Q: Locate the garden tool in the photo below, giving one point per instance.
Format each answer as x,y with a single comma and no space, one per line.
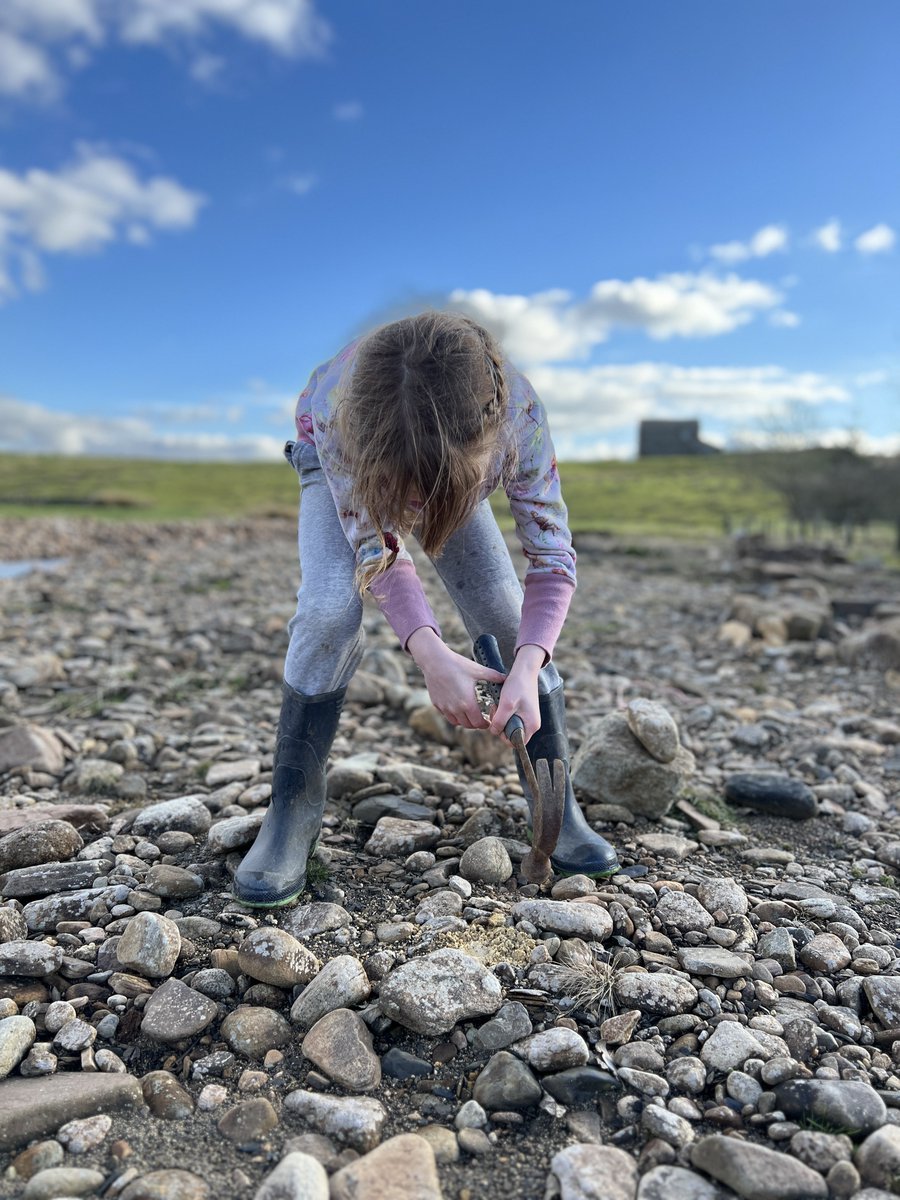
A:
548,796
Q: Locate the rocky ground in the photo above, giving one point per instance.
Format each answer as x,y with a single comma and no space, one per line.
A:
722,1019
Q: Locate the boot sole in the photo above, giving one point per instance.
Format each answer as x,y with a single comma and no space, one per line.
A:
268,903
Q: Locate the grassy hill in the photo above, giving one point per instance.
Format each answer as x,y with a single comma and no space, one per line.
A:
675,497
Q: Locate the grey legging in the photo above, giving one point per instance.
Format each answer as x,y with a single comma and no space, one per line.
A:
327,637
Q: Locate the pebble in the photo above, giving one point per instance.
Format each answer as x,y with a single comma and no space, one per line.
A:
486,861
553,1050
506,1083
253,1031
175,1012
167,1185
654,728
86,1134
248,1121
356,1121
297,1177
340,1044
563,917
274,956
775,795
657,994
309,920
57,1182
755,1172
340,983
17,1036
150,944
403,1166
587,1172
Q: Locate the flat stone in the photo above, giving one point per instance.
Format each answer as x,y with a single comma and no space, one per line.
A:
755,1172
81,816
173,883
588,1172
356,1122
825,952
511,1024
400,1064
668,845
658,994
242,770
31,746
775,795
309,920
62,1181
401,1168
31,1108
683,912
34,960
167,1185
723,895
566,917
340,1044
429,995
233,833
253,1031
298,1176
713,960
186,813
373,808
340,983
847,1106
654,727
175,1011
394,836
165,1097
47,878
274,956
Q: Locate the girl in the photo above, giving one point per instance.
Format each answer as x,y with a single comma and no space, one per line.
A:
409,430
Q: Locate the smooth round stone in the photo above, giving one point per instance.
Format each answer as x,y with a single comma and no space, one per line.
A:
847,1106
755,1172
743,1088
442,1141
470,1116
187,814
213,982
57,1014
506,1083
567,918
654,727
273,956
150,945
486,861
38,1157
298,1176
659,1122
356,1121
309,920
579,1086
683,912
173,883
43,842
687,1075
248,1121
713,960
729,1046
340,1044
474,1141
62,1181
553,1049
825,952
253,1031
167,1185
723,895
401,1166
821,1151
165,1097
878,1158
775,795
17,1036
585,1171
676,1183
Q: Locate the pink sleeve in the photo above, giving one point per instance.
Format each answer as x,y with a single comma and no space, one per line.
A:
544,610
399,594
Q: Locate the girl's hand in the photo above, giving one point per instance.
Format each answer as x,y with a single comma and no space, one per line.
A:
520,693
450,679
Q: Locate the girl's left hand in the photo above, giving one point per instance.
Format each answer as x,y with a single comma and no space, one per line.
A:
519,694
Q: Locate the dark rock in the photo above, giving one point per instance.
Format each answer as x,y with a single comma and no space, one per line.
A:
373,808
579,1085
506,1082
398,1064
775,795
30,1108
844,1106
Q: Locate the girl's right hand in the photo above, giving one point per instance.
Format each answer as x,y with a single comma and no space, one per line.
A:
450,679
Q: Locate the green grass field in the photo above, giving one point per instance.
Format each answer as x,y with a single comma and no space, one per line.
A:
658,497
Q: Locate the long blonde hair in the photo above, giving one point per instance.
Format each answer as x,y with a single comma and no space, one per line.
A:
421,413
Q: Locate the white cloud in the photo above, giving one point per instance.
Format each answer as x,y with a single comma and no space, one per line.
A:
829,236
31,31
877,240
761,439
32,428
599,399
871,378
350,110
783,318
551,326
302,185
765,241
206,68
95,199
24,68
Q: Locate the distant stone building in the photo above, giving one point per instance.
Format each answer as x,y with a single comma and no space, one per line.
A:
672,437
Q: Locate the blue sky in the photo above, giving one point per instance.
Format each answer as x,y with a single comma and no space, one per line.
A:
664,210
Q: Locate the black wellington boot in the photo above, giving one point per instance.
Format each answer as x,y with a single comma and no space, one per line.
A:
579,851
273,871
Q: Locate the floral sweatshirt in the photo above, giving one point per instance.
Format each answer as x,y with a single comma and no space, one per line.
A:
534,493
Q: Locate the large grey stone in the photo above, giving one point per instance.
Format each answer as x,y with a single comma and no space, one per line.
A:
755,1172
878,1158
340,983
399,1169
42,842
654,727
847,1106
506,1083
357,1122
17,1036
677,1183
150,944
713,960
31,746
175,1011
429,995
612,767
659,994
186,813
273,956
567,917
297,1177
340,1044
